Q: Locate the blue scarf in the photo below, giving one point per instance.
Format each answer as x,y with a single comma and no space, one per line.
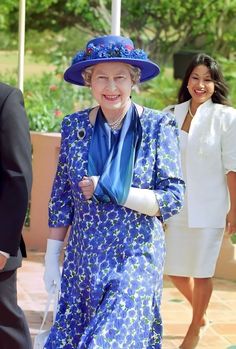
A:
112,156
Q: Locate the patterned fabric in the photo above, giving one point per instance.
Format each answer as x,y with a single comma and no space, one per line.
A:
115,160
113,268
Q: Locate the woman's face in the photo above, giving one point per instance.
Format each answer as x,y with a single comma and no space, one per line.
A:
200,85
111,86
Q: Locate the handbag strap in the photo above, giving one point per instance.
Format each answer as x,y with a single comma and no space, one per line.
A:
49,301
51,298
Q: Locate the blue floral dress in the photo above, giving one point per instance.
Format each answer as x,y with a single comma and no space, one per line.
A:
113,268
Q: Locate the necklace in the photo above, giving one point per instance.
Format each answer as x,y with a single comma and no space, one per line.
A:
190,113
116,124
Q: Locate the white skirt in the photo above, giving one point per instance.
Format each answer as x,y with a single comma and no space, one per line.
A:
192,251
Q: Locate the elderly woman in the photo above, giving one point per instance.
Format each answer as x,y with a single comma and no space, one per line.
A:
118,179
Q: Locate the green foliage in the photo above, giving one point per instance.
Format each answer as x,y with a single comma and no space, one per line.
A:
49,99
233,239
9,41
229,70
161,27
159,92
5,9
164,26
93,15
60,48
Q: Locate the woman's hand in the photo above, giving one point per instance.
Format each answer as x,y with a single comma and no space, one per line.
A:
231,222
3,261
231,216
87,187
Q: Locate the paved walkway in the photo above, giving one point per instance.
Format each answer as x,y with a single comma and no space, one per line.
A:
175,311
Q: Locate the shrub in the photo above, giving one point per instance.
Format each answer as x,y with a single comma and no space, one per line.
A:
159,92
49,99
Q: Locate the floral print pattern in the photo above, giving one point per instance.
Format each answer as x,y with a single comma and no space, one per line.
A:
113,267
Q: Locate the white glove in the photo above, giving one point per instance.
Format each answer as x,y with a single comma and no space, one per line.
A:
143,201
52,274
95,180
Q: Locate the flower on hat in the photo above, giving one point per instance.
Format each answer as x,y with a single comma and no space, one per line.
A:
110,51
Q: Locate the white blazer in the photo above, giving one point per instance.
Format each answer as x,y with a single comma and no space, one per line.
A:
211,154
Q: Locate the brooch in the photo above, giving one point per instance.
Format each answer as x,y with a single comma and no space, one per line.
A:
81,133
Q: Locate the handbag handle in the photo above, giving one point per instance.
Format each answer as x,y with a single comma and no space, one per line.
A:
51,298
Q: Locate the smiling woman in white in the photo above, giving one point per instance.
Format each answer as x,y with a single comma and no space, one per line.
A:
208,149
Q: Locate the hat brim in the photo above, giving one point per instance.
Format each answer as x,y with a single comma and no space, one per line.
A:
148,69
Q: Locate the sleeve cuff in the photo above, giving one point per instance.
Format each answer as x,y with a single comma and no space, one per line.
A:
7,255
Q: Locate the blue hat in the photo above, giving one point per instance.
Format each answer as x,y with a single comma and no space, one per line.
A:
110,48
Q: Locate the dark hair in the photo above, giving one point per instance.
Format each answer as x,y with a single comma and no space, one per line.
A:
220,94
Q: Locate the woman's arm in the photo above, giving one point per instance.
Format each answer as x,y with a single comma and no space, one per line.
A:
55,243
143,201
61,211
140,200
231,216
58,233
170,186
